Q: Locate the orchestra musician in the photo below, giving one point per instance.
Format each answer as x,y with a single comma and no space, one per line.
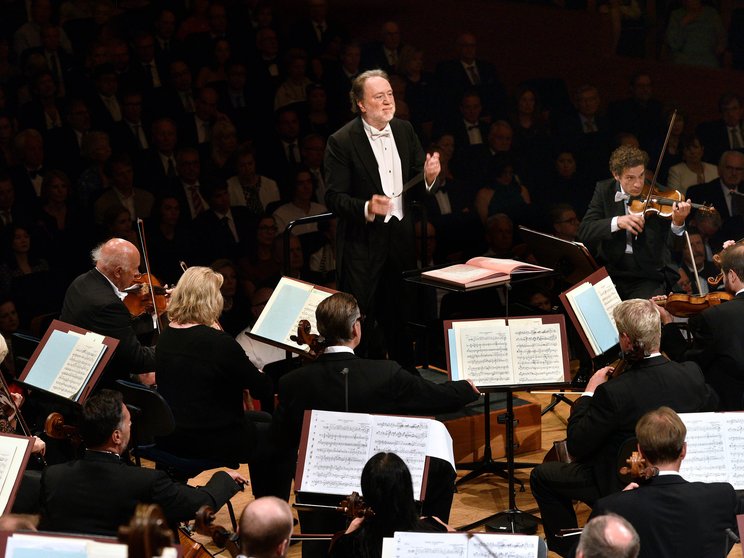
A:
202,372
98,493
265,528
606,414
673,517
608,536
374,386
93,301
388,490
717,336
635,249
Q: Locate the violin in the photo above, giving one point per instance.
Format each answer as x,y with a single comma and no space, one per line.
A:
352,506
686,306
147,533
223,538
304,337
139,300
655,201
715,281
55,427
637,468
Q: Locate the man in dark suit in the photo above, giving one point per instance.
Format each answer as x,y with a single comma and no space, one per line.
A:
373,386
717,334
367,164
94,301
726,133
636,250
695,515
605,416
385,53
468,71
98,493
718,192
640,114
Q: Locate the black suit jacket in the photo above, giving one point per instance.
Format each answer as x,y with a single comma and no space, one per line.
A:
599,425
676,518
651,249
718,348
352,177
90,303
715,139
98,493
711,193
454,80
375,386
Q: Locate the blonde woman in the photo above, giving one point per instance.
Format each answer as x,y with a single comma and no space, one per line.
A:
202,373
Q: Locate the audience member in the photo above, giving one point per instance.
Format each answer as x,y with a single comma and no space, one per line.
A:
692,170
695,35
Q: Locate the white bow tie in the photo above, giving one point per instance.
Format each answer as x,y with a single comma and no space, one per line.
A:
621,196
376,134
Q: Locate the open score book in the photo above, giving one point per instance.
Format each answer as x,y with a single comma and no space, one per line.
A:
480,271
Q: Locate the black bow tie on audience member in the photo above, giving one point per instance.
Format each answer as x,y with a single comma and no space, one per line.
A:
621,196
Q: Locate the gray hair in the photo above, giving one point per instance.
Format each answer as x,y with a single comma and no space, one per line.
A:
357,86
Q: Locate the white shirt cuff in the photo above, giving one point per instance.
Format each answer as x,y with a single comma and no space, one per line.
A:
677,229
369,218
613,225
587,394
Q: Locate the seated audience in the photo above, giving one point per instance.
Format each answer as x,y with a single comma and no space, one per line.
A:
692,170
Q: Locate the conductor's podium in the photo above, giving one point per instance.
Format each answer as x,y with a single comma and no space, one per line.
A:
467,429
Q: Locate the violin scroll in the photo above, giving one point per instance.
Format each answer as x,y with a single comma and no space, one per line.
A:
354,506
305,337
637,468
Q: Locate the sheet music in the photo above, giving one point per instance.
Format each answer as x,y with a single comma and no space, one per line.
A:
340,444
492,353
406,437
505,546
464,545
486,354
537,352
12,453
337,450
78,367
608,296
424,545
715,448
307,312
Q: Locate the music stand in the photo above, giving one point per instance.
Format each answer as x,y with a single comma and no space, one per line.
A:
570,259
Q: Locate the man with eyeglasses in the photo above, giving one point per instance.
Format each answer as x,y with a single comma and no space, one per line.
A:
94,301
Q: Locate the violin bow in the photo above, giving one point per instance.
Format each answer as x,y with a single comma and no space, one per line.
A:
141,234
19,416
694,265
658,163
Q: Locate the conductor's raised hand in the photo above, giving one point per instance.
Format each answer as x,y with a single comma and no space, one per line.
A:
378,205
432,167
631,222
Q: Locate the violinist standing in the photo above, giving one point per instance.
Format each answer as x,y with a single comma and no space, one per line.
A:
635,249
94,301
718,336
606,414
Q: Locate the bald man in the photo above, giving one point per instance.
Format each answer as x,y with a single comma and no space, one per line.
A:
265,527
94,302
608,536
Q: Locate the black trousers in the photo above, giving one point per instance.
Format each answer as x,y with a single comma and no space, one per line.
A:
555,486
